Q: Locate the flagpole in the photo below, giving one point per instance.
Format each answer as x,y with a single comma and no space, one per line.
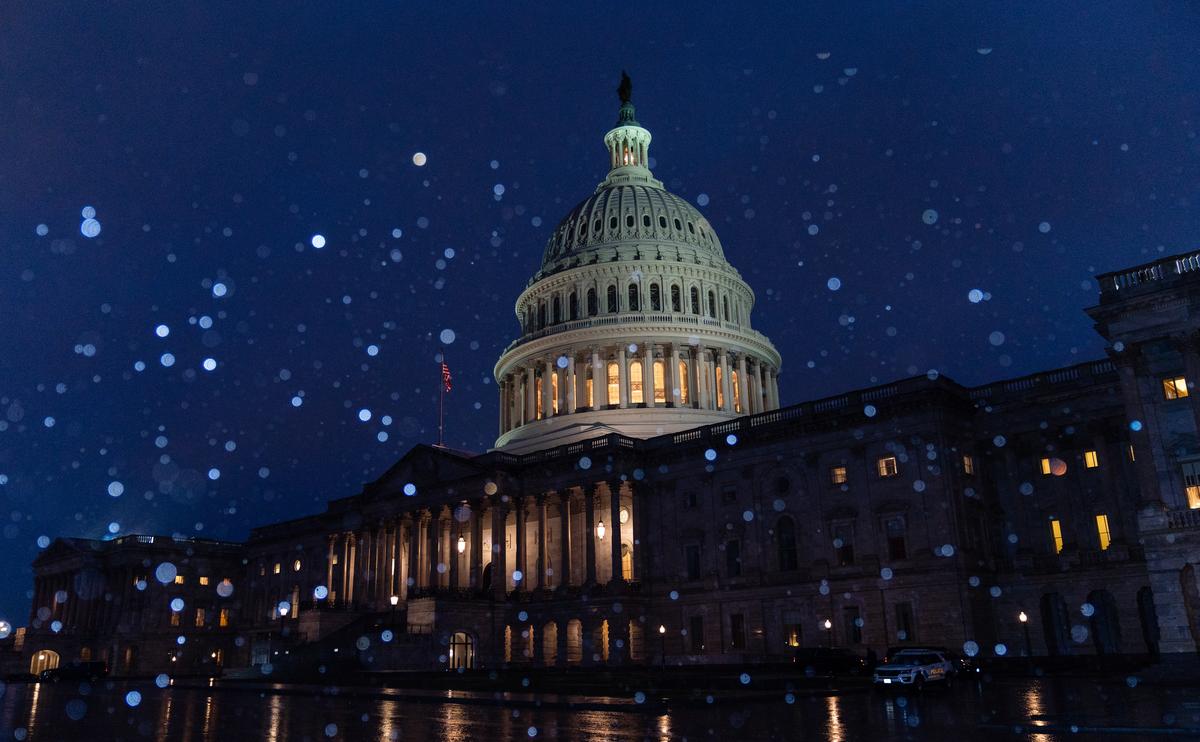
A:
442,401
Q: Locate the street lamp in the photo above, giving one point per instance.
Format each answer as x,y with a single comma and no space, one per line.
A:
600,530
662,637
394,600
1024,619
828,625
462,544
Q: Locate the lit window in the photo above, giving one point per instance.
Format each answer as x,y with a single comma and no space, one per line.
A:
199,618
223,618
591,400
296,566
968,465
1193,496
1131,456
203,580
635,383
1091,459
614,383
179,579
1056,533
660,381
1175,388
537,398
737,392
1103,532
720,389
683,383
335,559
837,474
174,618
887,466
277,567
1046,468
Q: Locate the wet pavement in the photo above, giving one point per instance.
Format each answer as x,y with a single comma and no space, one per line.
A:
1044,710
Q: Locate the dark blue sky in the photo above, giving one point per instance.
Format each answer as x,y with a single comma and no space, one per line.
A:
213,141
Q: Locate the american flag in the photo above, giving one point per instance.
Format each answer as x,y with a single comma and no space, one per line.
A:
445,376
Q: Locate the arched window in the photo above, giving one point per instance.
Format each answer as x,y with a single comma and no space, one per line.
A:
634,304
737,393
635,383
44,659
557,313
573,306
695,300
785,537
530,319
662,221
712,304
683,383
660,381
614,383
541,314
725,304
593,307
676,301
655,298
645,220
612,299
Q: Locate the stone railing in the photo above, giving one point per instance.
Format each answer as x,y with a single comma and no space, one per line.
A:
1164,269
1071,375
1183,518
635,318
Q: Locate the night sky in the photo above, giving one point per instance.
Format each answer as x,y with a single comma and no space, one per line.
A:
961,170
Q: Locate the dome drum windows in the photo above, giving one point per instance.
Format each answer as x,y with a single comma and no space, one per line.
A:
593,306
612,300
655,298
695,296
634,303
676,300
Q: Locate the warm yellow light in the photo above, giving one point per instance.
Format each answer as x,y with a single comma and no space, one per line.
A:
462,544
1056,534
394,599
662,629
1022,617
828,624
624,516
600,530
1102,531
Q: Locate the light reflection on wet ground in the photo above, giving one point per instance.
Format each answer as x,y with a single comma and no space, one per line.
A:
1003,710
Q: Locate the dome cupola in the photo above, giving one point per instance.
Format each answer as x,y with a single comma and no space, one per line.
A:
635,322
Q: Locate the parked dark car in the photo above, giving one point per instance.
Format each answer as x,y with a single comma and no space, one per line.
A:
829,661
961,665
91,671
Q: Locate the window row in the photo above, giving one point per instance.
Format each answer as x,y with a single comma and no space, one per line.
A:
638,390
710,304
1103,534
200,618
565,236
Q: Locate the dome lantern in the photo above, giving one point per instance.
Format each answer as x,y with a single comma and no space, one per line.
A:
628,143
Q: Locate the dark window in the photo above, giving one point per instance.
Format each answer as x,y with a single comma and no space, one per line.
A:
596,226
696,634
725,302
737,631
695,300
676,302
655,298
843,543
634,305
612,222
629,220
852,624
729,494
894,528
582,229
785,533
904,623
733,558
541,315
612,299
691,228
662,221
557,314
712,305
689,499
645,220
574,306
592,307
691,554
678,225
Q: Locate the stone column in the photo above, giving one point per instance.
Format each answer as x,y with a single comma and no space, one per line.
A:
623,371
672,376
343,594
432,553
637,514
476,544
547,388
1189,347
560,652
572,390
589,535
540,504
503,389
522,557
530,392
456,513
328,564
599,382
699,381
648,385
499,549
614,502
564,542
414,540
1127,364
726,385
742,395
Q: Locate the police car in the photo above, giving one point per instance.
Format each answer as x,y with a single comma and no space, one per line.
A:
915,668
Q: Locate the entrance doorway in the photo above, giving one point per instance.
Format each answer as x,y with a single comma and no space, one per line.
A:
462,651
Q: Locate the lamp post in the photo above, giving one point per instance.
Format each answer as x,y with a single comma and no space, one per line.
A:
394,600
662,652
1024,619
828,626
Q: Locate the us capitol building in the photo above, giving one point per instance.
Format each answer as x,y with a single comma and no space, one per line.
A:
649,499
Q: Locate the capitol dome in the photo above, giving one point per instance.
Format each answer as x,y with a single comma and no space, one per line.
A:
635,323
